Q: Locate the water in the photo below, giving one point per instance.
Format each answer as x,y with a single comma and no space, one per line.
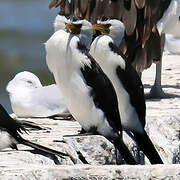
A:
24,27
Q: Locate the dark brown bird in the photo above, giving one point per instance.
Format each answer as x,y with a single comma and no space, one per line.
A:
142,43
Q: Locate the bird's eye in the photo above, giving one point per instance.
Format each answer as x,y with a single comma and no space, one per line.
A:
107,26
30,82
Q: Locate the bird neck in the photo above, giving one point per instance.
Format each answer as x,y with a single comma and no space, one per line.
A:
72,61
86,39
100,47
117,38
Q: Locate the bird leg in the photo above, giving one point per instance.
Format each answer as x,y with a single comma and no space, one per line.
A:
14,146
124,151
119,158
82,132
29,124
156,90
139,156
64,116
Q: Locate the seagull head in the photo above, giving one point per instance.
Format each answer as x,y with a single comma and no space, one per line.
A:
112,27
82,28
24,80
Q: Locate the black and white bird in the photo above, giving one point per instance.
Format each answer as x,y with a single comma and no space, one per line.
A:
127,84
88,93
10,135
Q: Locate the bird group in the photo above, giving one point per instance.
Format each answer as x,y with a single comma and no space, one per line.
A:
101,89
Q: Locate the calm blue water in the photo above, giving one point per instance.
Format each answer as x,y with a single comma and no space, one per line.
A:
24,27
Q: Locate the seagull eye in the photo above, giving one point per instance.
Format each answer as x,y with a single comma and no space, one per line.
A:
107,26
30,82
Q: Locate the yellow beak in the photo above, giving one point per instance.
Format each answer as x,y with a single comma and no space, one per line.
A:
101,28
72,29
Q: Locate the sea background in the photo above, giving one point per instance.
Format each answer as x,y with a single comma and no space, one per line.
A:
24,28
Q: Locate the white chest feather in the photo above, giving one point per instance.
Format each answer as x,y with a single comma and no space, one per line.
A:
109,62
66,66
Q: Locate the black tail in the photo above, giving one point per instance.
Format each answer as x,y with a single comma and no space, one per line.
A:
146,145
41,148
124,151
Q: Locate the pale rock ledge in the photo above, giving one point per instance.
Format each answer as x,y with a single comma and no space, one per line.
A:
92,157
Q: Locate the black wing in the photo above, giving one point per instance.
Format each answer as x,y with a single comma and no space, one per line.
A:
102,91
12,126
133,85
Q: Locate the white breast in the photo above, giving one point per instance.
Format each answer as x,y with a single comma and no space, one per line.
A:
67,61
109,62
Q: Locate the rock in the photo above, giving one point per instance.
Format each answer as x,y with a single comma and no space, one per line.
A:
93,149
163,127
164,132
97,150
85,172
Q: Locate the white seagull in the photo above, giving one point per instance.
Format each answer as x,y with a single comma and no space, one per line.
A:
88,93
127,84
30,99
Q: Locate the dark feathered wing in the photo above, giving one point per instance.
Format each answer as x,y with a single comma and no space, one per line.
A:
133,85
12,126
105,98
102,90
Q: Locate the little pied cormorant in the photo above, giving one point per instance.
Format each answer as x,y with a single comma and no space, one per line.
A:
88,93
127,84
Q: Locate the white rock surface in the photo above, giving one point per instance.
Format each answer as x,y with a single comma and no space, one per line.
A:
163,115
163,126
85,172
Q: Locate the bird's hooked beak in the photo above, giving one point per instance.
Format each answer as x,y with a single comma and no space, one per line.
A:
102,28
73,28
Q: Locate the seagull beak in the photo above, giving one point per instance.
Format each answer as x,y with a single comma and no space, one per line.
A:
72,29
101,28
